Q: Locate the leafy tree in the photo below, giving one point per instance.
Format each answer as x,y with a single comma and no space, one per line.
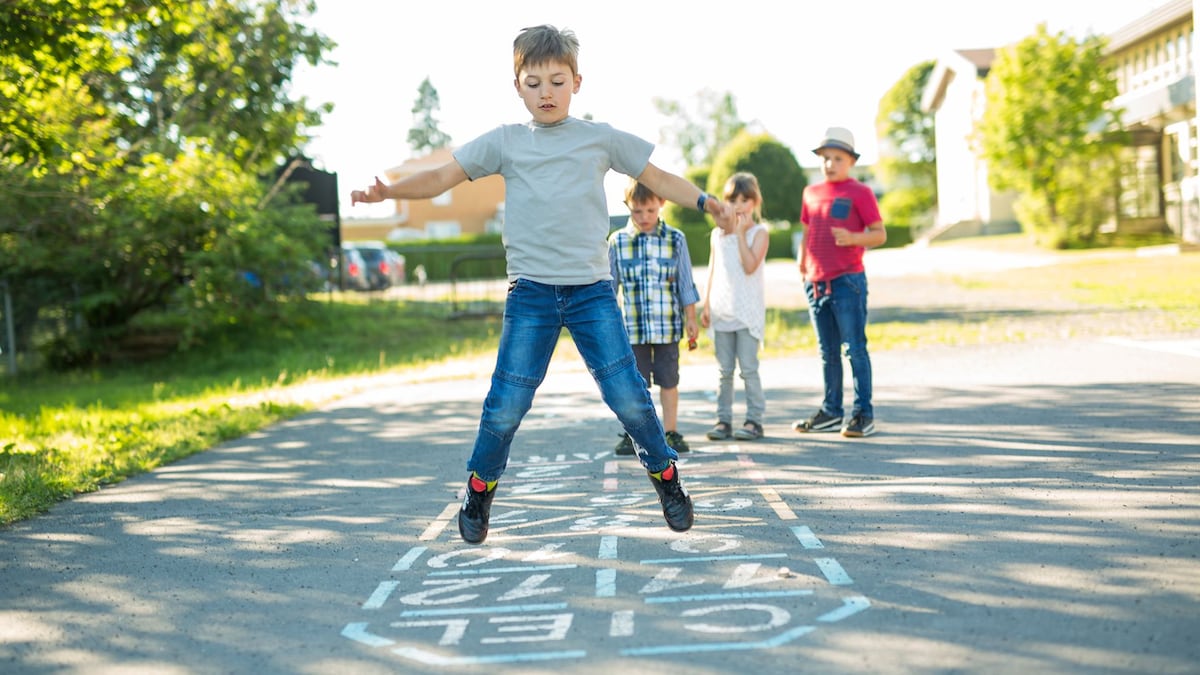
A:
780,177
700,138
425,134
1042,133
136,136
910,169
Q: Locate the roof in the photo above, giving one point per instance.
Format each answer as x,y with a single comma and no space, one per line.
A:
943,73
980,58
1169,13
430,160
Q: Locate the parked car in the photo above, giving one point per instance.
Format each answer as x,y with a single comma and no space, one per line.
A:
385,267
354,271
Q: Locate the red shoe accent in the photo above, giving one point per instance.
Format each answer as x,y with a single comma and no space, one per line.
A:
478,484
668,473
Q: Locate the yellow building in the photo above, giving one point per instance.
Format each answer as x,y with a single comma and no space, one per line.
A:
471,207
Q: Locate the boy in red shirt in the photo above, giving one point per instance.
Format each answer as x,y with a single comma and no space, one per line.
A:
841,220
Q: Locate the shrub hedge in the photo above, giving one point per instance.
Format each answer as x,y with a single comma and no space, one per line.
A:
482,256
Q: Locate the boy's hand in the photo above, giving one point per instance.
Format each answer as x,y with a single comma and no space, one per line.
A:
724,214
842,236
371,195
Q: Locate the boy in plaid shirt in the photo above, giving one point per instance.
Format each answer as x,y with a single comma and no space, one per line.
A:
651,267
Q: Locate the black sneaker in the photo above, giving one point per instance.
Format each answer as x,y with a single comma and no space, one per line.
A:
822,421
675,500
475,511
675,440
860,425
625,447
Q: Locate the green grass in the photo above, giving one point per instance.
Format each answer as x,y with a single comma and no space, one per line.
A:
69,433
63,434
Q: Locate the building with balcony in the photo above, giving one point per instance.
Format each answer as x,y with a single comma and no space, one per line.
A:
1153,60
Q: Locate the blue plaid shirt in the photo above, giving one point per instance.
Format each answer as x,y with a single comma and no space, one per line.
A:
654,273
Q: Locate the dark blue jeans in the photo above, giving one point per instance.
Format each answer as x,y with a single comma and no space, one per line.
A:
838,309
534,316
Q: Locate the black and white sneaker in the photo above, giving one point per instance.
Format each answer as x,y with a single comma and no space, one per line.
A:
822,421
475,511
676,442
624,446
859,425
675,500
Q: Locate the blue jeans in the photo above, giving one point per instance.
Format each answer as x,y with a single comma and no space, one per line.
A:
838,309
534,316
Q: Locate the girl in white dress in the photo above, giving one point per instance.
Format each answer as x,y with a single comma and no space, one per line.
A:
735,307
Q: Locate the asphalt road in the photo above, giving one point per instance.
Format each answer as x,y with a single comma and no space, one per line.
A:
1024,508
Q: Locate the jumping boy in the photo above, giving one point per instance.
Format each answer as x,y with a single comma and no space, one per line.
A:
555,240
651,266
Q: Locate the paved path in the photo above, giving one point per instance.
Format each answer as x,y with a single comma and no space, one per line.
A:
1023,509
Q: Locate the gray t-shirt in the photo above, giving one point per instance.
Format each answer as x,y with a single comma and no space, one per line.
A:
555,212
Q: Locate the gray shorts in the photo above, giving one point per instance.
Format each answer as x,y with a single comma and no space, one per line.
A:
658,364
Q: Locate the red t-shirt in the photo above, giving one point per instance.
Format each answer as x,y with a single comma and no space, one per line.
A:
848,204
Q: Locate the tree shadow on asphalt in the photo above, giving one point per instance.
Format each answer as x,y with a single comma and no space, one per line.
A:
1016,528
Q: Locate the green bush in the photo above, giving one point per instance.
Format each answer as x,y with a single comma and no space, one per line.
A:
779,175
898,236
482,256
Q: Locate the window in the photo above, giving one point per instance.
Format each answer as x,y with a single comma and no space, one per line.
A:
1140,191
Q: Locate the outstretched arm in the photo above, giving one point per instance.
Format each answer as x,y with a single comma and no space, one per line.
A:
422,185
677,189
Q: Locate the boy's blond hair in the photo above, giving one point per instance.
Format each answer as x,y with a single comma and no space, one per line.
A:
636,193
545,44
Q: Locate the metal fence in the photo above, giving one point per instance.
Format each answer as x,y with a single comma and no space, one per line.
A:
474,285
474,290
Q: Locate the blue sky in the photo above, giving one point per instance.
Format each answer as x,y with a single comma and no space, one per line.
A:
795,67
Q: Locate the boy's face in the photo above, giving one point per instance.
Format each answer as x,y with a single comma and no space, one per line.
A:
835,164
547,89
645,214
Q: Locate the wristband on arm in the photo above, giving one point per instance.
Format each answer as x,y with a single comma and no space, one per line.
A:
700,202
